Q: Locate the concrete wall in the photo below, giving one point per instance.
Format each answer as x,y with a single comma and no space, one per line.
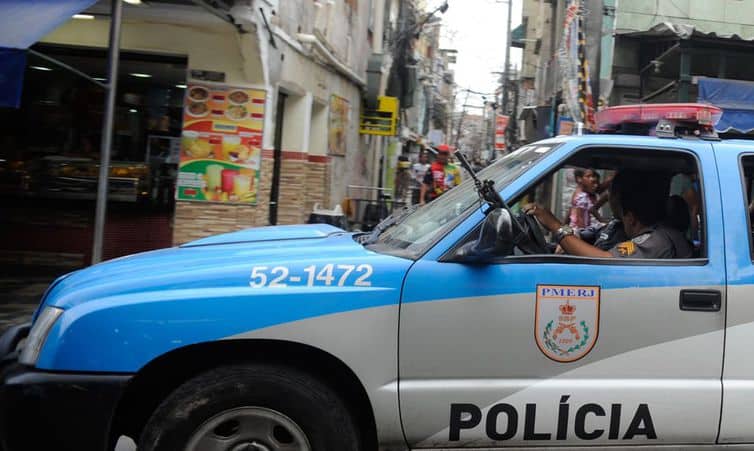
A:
625,72
303,76
343,27
343,23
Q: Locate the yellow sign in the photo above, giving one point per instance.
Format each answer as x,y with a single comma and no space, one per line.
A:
382,121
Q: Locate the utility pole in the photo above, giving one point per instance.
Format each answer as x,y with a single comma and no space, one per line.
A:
100,212
506,73
460,120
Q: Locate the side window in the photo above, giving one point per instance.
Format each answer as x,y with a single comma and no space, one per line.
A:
747,170
658,214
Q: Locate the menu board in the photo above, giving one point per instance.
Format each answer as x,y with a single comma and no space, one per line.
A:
221,144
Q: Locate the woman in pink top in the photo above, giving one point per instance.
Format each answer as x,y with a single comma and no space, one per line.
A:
584,199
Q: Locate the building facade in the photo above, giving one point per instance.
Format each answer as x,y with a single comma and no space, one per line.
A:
637,52
301,69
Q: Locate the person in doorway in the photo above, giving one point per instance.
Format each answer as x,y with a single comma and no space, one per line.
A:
440,177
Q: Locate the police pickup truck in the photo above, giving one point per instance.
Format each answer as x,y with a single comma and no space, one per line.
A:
454,325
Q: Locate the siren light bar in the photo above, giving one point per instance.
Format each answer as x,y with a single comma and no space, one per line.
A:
698,118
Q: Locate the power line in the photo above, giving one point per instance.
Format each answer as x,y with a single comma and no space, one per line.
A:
471,91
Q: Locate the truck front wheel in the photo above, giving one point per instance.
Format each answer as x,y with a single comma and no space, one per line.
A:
251,408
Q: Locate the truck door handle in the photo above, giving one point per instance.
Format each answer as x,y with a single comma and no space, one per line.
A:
700,300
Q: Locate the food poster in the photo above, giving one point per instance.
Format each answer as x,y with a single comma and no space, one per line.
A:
221,144
339,111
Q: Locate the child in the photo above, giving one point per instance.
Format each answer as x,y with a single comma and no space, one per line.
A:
583,199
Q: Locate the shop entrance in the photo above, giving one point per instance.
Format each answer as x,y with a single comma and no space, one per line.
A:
49,158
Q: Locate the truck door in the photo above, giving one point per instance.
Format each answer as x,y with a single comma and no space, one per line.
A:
558,350
736,425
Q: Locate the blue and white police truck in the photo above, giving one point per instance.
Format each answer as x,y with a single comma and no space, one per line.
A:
459,324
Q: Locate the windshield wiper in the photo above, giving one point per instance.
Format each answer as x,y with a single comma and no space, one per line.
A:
385,224
488,193
486,188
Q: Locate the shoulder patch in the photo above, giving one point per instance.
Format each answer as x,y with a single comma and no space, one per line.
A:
626,248
641,238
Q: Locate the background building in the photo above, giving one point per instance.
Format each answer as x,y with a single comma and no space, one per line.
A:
637,52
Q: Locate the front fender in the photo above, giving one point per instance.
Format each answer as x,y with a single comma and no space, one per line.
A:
123,332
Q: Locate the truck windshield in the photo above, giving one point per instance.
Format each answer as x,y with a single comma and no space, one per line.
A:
417,231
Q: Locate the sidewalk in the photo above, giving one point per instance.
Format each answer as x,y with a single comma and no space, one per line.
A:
20,294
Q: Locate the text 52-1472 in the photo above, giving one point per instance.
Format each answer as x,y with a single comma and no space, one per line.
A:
330,274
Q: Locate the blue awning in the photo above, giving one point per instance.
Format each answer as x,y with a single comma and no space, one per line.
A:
735,97
22,23
12,66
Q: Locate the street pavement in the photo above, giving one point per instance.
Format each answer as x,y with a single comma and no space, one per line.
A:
19,297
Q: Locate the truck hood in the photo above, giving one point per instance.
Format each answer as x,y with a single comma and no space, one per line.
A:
214,262
126,312
287,232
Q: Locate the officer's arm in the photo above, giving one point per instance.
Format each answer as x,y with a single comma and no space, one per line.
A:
576,246
572,244
595,210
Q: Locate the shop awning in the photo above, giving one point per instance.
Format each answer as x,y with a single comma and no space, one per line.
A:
22,23
687,31
735,97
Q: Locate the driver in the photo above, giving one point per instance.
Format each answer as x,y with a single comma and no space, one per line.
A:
638,199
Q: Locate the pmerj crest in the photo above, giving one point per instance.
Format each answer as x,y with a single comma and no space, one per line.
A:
566,321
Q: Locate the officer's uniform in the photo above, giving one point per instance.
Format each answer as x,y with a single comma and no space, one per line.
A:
606,236
659,241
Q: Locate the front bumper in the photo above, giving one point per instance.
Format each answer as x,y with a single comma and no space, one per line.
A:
48,410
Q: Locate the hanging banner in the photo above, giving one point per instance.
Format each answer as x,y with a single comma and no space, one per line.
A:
501,124
221,144
574,67
568,59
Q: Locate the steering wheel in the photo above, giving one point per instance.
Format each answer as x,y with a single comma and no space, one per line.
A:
534,241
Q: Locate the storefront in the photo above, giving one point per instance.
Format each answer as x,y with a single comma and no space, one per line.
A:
50,152
49,158
220,124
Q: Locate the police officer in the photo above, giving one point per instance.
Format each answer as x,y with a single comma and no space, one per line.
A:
638,199
604,236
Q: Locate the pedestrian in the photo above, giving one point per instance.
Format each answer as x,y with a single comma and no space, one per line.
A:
440,177
418,171
583,200
687,186
403,182
607,232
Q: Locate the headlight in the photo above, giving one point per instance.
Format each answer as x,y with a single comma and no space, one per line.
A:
38,335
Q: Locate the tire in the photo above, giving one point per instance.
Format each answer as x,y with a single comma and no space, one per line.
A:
238,402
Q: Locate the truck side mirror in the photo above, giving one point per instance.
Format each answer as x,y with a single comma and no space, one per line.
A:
495,239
